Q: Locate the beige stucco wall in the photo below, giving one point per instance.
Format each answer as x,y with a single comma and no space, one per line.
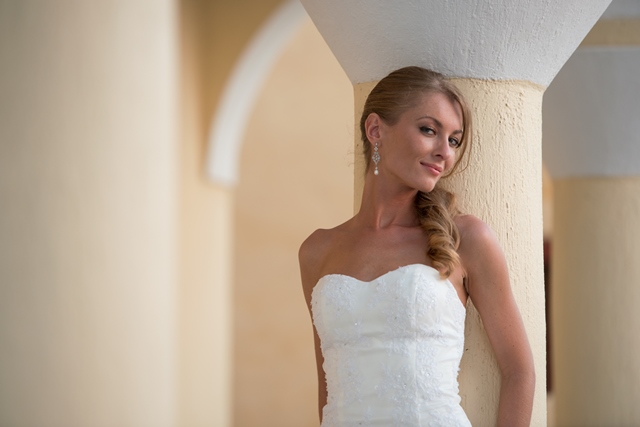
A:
295,176
596,215
213,36
224,30
502,186
88,201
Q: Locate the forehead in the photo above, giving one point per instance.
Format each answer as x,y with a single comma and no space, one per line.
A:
438,106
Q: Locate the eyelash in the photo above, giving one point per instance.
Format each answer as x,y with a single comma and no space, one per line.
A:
455,143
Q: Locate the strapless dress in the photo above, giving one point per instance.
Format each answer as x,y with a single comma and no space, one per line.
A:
392,349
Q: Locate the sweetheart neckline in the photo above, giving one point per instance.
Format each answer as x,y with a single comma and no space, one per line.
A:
402,267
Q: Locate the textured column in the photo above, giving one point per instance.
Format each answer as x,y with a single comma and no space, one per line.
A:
87,229
592,148
506,144
503,58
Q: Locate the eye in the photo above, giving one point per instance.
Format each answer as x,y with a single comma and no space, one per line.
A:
455,143
427,130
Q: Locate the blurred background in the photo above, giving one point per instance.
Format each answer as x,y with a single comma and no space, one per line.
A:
160,164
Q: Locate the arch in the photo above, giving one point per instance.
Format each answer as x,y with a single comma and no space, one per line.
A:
240,92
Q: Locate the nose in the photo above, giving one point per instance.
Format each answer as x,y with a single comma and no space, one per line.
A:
444,150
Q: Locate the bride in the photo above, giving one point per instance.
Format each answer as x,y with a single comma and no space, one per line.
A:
387,289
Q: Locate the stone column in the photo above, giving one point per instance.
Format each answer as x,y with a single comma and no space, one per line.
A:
592,149
503,59
88,213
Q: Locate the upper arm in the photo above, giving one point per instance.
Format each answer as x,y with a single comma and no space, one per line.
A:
490,290
310,257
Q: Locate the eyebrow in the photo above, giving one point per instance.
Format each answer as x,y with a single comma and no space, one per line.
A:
438,123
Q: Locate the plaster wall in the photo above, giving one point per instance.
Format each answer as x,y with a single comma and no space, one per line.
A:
295,176
205,218
242,89
214,35
596,275
225,28
88,197
503,187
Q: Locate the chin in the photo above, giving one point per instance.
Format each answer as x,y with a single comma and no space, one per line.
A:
428,185
426,188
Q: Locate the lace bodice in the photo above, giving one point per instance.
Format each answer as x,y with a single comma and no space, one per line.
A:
391,348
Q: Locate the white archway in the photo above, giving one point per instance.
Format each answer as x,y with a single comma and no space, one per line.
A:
246,80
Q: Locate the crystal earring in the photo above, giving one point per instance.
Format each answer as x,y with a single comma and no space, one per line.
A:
376,158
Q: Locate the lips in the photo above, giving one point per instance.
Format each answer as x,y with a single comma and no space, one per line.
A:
435,169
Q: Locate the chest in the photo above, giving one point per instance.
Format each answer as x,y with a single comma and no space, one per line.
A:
370,254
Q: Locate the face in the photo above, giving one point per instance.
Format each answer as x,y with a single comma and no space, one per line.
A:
421,147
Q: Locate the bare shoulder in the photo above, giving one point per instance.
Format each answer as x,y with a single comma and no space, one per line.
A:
479,248
311,256
473,232
314,248
490,291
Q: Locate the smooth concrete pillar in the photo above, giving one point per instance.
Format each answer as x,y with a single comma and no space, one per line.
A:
503,184
592,148
88,213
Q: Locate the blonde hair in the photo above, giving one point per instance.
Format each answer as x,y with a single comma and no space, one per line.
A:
436,210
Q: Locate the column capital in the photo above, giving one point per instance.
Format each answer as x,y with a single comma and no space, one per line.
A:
515,40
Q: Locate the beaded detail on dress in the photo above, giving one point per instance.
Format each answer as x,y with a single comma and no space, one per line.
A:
392,349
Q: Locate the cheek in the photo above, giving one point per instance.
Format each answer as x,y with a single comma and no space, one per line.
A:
451,163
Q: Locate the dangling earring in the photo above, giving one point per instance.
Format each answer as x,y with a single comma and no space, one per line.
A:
376,158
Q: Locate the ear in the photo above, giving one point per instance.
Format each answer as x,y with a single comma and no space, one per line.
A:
372,127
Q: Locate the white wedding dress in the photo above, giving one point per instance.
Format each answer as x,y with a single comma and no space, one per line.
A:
391,348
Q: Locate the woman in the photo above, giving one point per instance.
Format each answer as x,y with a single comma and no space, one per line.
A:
387,289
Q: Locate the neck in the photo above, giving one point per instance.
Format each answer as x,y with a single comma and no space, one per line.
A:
385,204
